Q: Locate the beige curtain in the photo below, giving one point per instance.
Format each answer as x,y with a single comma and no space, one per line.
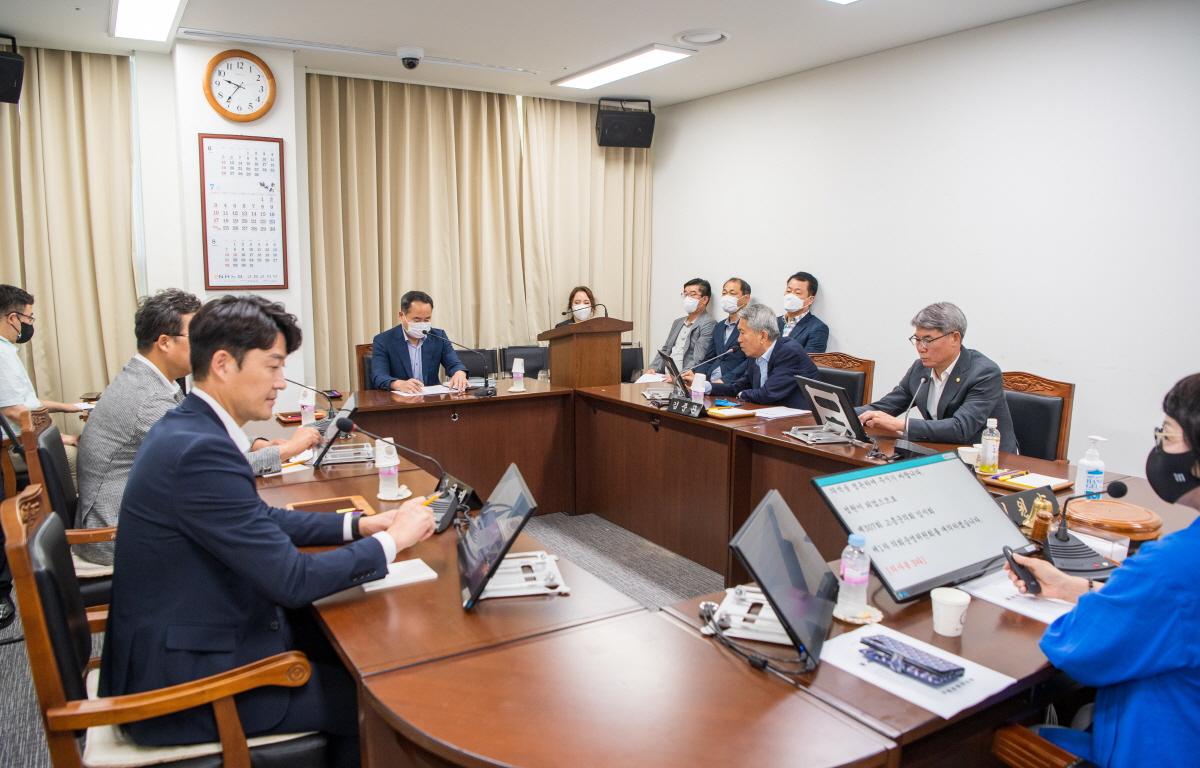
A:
411,187
585,216
65,216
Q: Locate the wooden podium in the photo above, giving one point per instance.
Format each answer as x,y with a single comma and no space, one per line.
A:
586,354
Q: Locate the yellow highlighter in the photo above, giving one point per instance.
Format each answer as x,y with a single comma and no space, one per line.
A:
431,499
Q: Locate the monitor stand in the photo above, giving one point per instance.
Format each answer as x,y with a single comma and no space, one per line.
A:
905,449
526,573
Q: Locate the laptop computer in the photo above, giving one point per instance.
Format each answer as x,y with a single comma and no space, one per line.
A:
486,539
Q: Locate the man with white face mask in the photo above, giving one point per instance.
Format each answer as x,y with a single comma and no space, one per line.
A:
406,358
735,294
797,322
690,335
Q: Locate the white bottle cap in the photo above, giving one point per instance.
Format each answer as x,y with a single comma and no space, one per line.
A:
991,423
518,365
385,455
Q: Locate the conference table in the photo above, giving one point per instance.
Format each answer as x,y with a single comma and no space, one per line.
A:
593,677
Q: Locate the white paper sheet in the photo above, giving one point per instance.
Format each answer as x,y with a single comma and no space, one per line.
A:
1034,480
995,587
401,574
780,412
650,378
976,684
85,406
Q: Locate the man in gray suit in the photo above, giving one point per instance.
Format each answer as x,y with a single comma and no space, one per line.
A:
137,398
956,389
690,335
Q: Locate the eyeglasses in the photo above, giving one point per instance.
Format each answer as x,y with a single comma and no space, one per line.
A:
22,314
925,342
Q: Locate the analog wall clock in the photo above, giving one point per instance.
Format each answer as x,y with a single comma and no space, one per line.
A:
239,85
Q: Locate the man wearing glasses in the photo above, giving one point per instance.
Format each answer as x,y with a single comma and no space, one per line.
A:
955,389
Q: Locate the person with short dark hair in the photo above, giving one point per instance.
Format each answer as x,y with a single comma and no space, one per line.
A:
581,304
137,398
797,322
690,335
1133,638
735,294
207,576
406,358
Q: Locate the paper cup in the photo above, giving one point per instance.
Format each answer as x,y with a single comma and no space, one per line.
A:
949,610
969,455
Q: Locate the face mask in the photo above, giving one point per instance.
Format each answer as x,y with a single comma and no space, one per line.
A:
1170,474
26,333
690,303
792,302
729,304
581,312
418,330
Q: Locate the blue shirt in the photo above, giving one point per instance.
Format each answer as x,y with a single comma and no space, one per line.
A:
762,361
1137,640
414,358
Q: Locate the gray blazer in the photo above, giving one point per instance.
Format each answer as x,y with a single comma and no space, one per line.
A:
135,400
697,346
974,393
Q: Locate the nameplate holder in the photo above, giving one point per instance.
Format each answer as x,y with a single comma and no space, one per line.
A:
526,573
746,615
685,407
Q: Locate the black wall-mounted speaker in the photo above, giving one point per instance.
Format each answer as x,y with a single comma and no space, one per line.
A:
617,125
12,72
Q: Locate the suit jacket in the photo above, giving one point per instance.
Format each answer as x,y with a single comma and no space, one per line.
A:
811,332
389,357
724,337
974,393
696,347
133,403
204,570
787,361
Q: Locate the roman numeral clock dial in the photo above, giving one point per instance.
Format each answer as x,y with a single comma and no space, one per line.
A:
239,86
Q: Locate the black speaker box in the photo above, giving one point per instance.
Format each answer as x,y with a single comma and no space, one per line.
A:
12,74
624,127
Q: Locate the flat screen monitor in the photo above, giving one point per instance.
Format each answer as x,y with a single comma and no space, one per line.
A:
486,538
331,429
677,386
790,571
928,522
832,408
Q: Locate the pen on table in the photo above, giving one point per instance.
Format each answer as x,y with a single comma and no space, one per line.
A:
432,498
1010,475
347,509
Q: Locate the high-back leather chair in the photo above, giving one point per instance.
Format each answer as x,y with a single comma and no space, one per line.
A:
362,354
58,640
631,362
1041,413
534,357
854,374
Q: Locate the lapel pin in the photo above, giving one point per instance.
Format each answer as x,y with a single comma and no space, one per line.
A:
957,380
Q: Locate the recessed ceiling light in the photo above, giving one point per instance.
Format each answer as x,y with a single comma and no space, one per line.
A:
146,19
701,37
843,2
628,65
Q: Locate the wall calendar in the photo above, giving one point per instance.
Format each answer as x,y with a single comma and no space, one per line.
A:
241,200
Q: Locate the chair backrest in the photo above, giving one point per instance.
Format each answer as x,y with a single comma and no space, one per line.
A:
362,354
534,357
476,362
855,374
1041,413
47,462
631,362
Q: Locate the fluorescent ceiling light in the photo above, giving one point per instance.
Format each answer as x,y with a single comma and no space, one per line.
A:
843,2
146,19
630,64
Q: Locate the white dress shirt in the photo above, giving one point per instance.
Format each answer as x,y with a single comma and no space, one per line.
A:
937,385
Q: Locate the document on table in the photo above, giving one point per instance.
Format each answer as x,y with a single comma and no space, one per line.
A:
780,412
402,574
1034,480
435,389
84,406
651,378
995,587
976,684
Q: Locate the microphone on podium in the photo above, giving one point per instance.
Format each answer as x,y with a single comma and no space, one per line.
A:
571,311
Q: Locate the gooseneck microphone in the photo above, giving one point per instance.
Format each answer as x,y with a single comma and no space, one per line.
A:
347,425
1116,489
571,311
1069,553
488,390
904,444
711,359
321,392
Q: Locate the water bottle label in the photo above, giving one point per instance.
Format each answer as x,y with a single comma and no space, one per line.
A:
388,471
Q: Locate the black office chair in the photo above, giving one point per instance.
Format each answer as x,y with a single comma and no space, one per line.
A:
477,363
1041,413
631,363
854,374
58,636
534,357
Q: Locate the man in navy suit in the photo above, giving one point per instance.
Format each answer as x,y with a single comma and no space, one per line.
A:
407,357
207,577
735,294
797,322
770,377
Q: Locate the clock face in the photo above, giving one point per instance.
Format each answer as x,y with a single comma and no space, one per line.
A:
240,85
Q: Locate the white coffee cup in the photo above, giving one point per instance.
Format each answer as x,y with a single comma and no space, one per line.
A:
969,454
949,610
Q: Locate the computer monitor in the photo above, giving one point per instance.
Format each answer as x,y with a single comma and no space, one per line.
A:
928,522
832,408
678,389
486,539
790,571
331,429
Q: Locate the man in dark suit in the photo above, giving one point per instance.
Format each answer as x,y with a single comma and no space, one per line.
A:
797,322
406,358
770,376
735,294
956,389
207,577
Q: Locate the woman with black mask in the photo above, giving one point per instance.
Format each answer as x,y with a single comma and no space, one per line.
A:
1137,639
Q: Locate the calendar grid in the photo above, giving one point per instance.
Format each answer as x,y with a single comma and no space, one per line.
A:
242,212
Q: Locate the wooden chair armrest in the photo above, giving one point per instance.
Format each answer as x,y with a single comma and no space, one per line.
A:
91,535
1019,747
97,618
290,669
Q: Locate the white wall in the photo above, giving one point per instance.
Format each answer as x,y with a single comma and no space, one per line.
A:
1042,173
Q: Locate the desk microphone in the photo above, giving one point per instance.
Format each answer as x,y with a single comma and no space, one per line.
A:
904,444
1070,554
488,390
1116,489
729,351
347,425
571,311
321,392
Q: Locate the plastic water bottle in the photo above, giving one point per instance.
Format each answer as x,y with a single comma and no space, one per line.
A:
698,388
387,461
308,407
1089,477
855,572
518,374
989,455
